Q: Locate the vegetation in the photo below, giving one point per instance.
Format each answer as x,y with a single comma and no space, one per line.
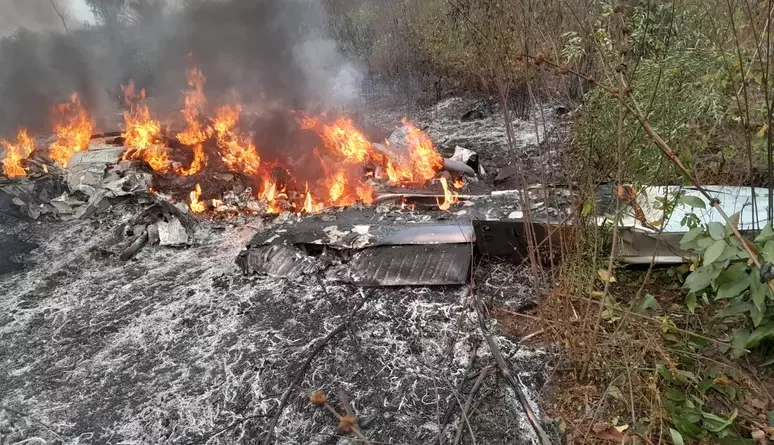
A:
670,92
667,356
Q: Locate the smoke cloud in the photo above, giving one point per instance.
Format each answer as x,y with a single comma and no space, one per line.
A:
261,51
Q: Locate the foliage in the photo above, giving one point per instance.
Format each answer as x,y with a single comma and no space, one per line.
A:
684,101
725,274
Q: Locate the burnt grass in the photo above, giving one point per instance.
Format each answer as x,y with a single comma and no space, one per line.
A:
175,346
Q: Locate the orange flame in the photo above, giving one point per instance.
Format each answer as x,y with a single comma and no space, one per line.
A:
272,195
16,152
73,129
196,205
236,150
196,164
309,205
195,102
142,132
424,160
449,196
346,140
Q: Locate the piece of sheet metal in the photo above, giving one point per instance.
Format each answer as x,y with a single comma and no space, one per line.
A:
431,265
358,236
428,265
275,260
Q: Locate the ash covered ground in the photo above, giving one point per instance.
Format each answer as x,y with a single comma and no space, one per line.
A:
175,346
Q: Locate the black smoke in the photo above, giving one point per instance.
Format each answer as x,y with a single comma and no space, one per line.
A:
259,52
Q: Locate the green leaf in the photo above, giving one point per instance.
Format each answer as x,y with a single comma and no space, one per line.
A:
692,201
649,302
714,251
768,251
766,234
677,438
690,302
770,415
687,428
704,242
691,235
732,253
664,372
758,290
716,423
731,289
676,396
761,333
735,308
739,339
756,316
716,230
699,279
588,206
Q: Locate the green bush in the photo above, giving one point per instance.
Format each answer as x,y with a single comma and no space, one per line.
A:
684,101
726,276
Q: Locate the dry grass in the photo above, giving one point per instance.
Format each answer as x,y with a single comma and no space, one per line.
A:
615,382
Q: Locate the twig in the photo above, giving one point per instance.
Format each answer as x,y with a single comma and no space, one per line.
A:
534,334
450,410
61,16
34,419
355,429
469,401
505,371
655,320
302,370
465,420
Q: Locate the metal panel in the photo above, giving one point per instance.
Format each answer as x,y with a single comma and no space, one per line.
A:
275,260
430,265
358,236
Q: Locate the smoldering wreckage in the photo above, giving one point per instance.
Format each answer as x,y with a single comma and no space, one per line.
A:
125,318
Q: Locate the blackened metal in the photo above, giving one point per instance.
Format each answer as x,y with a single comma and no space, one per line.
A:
509,238
278,261
429,265
358,236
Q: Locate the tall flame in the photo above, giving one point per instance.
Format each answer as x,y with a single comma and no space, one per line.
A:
449,196
142,132
196,164
73,129
236,150
195,103
15,152
424,160
196,205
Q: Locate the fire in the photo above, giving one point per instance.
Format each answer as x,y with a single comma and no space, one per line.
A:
142,132
196,164
196,205
236,150
449,196
348,141
309,205
423,162
73,129
16,152
272,195
195,102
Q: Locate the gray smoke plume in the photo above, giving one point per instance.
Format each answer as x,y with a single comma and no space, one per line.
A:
264,51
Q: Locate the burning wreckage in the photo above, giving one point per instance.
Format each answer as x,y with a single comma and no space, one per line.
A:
352,252
343,243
